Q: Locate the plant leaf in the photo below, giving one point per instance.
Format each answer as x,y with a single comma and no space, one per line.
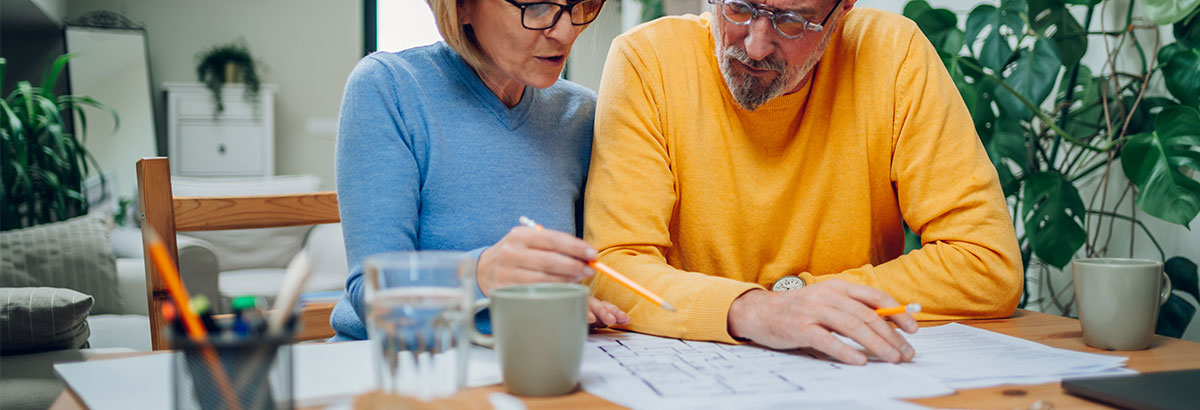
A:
1033,77
1174,317
940,26
1169,11
1054,215
995,51
1052,19
1152,161
1181,72
1143,118
51,77
1187,31
1183,274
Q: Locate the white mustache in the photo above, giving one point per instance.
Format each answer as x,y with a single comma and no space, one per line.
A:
769,63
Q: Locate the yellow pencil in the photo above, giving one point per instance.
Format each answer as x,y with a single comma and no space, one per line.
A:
896,310
612,273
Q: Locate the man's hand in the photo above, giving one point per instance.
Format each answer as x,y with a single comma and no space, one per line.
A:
527,255
808,317
604,314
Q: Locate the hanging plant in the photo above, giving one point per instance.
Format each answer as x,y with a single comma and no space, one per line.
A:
226,64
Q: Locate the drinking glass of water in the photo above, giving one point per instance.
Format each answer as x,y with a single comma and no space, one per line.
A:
419,310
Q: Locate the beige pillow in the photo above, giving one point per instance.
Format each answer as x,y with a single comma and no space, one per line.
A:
40,319
73,254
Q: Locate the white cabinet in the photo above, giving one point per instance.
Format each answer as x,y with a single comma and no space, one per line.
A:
238,142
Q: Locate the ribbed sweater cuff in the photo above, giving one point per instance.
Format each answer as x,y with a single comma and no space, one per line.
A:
708,316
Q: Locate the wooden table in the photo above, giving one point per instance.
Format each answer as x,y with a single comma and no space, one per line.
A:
1164,354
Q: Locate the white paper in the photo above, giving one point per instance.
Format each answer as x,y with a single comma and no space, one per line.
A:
962,357
322,373
643,371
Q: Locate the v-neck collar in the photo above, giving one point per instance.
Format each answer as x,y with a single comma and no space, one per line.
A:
511,118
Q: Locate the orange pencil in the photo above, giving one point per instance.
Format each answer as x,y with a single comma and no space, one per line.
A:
612,273
896,310
170,276
191,321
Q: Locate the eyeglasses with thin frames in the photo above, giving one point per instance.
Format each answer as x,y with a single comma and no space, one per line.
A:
788,23
543,15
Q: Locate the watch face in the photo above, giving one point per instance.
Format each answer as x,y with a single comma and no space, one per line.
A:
787,283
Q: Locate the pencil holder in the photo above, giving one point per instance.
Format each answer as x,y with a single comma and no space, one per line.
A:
249,373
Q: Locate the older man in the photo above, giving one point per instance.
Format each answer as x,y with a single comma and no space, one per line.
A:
755,167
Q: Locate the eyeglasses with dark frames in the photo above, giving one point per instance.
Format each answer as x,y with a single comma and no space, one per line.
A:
788,23
543,15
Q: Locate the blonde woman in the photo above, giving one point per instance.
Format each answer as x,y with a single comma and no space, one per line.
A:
445,146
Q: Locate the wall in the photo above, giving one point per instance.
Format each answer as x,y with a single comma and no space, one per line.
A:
308,48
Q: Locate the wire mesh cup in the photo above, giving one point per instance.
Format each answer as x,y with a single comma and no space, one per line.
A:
419,310
249,373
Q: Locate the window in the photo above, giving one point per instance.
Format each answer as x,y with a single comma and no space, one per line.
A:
394,25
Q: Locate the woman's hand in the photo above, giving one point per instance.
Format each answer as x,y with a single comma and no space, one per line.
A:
527,255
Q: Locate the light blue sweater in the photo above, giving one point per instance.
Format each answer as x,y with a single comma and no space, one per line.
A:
429,158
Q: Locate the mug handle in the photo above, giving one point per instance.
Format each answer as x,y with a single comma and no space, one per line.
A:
1166,289
480,338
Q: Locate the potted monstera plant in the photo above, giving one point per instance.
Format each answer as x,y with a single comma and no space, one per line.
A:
1053,125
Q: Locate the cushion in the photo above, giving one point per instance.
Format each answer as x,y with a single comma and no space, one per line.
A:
250,248
73,254
40,319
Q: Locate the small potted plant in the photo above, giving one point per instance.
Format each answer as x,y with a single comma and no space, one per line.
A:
228,63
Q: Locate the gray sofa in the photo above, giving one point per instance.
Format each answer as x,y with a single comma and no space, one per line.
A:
28,381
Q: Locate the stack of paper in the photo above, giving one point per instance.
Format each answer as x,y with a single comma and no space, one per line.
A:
649,372
643,371
964,357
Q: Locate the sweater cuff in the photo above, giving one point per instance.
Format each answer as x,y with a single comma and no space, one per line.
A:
474,256
708,316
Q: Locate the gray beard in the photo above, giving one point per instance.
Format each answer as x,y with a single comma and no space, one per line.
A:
751,92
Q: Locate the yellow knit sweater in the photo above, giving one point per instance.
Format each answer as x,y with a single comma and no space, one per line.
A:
701,201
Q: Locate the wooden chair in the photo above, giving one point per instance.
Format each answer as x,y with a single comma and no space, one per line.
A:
167,214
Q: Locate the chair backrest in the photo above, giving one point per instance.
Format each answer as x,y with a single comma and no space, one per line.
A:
167,214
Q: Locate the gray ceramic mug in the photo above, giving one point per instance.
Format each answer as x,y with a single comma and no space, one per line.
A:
1119,300
538,334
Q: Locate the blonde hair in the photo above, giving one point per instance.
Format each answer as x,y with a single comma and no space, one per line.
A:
457,35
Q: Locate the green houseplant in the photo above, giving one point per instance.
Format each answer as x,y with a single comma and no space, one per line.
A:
228,63
42,164
1053,125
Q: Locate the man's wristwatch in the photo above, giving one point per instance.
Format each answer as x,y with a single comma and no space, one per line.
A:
787,283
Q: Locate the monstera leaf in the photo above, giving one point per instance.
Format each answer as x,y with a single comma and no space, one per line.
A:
939,25
995,51
1033,77
1169,11
1153,161
1181,72
1054,216
1052,19
1176,314
1007,141
1187,31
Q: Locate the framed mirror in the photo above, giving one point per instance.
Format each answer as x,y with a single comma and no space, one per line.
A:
111,64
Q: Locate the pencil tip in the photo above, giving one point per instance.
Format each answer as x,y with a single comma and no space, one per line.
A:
668,306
